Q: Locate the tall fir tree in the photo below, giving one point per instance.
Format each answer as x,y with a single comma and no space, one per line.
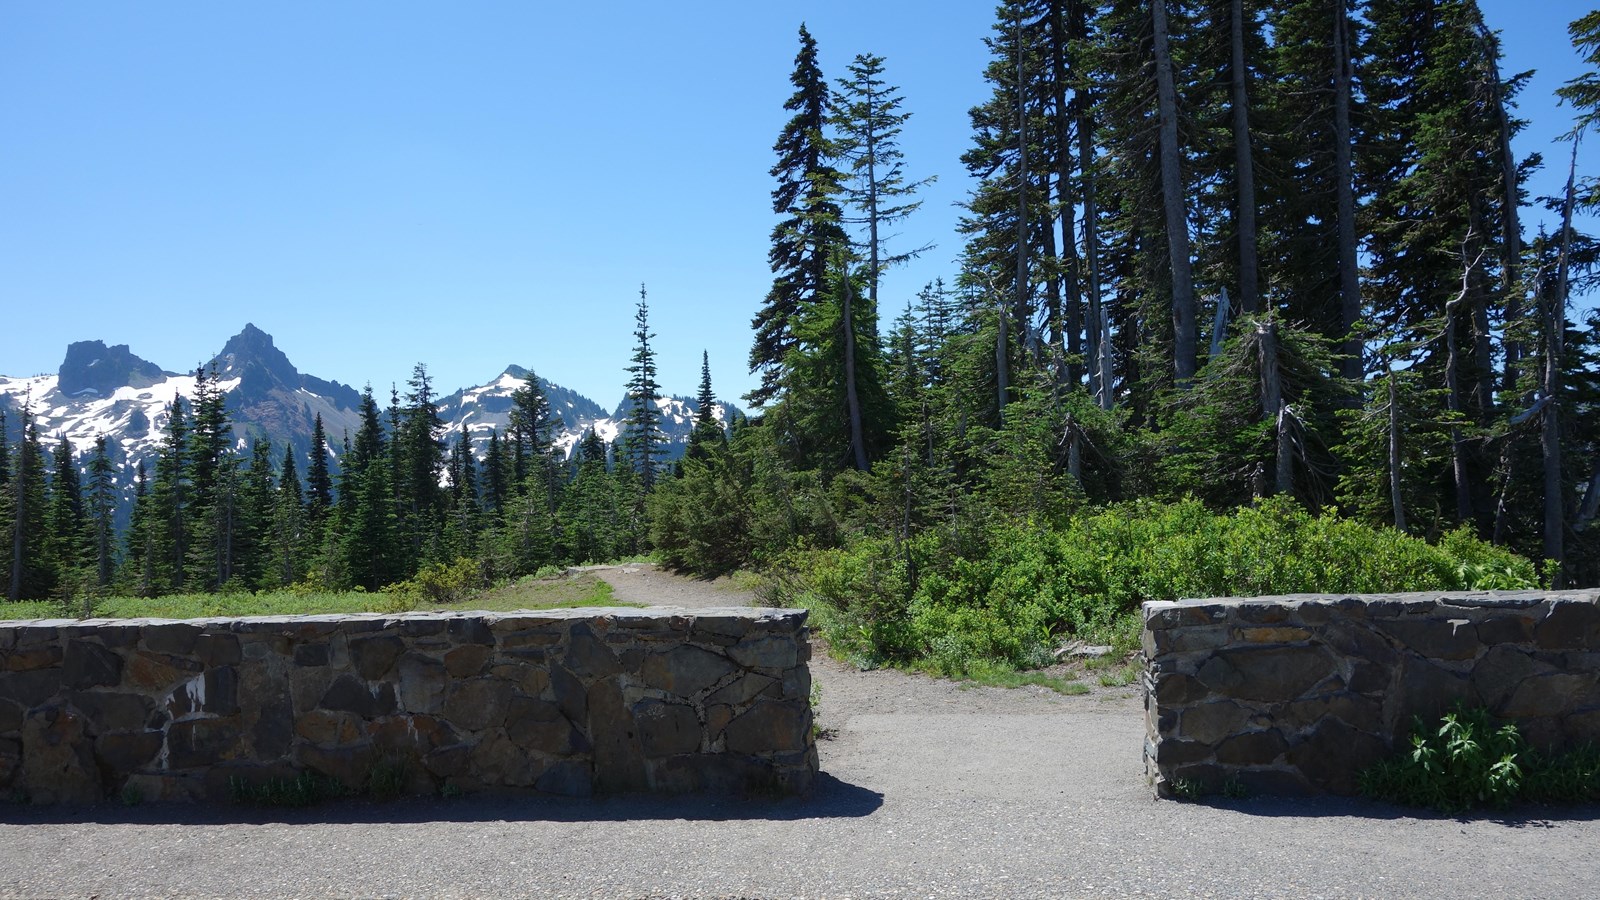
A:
642,429
810,230
102,509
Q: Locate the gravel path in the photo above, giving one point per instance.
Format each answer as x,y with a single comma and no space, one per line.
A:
929,790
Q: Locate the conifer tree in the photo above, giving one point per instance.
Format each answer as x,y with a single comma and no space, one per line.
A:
421,454
708,432
31,575
802,242
102,508
642,429
868,121
319,483
292,539
66,519
496,476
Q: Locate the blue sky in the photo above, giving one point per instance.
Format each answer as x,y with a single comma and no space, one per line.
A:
467,185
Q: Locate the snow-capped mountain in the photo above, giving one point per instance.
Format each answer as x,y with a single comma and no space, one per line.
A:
477,411
107,391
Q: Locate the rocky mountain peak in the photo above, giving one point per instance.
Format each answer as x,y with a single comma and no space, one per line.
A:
93,369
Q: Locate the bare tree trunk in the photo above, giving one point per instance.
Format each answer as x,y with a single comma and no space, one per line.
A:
1098,326
852,398
1344,177
1001,385
1273,407
1023,305
1073,313
1550,434
1394,456
1244,171
1511,225
1074,451
1591,503
1185,339
1458,444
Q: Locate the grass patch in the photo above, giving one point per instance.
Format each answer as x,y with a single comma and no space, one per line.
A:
579,590
561,592
305,789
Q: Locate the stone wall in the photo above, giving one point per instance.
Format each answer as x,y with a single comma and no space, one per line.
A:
562,702
1298,694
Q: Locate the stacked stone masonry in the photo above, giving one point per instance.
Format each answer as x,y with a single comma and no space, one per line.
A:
1298,694
568,702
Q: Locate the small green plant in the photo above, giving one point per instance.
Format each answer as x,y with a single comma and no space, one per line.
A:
131,795
1188,790
305,789
1465,762
387,780
818,732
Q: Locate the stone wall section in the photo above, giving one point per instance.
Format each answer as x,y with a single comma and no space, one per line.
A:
1298,694
568,702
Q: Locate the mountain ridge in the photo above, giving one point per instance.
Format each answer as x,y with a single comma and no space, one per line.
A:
108,390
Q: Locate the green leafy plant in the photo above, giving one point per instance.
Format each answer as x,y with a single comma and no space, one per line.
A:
1465,762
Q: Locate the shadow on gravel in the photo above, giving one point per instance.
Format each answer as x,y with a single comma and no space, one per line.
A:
832,799
1352,808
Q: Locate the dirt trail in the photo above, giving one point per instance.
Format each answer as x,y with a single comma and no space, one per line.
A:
929,789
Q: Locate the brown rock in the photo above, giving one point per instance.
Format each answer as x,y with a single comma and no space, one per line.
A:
1209,723
1436,638
467,661
1334,754
58,759
1267,673
685,670
1571,624
769,726
86,664
158,671
32,658
1257,748
666,729
347,694
202,742
373,657
421,683
170,637
588,656
498,760
1272,635
772,652
31,688
328,728
478,703
350,766
538,725
1545,695
618,758
123,753
107,711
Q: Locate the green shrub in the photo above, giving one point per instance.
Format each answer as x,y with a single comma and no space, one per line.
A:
946,599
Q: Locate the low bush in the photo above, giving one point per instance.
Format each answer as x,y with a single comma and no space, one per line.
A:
945,601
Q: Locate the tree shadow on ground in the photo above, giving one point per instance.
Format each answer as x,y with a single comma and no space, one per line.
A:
831,799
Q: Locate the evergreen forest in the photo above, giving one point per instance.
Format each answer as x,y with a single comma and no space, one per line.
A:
1247,304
